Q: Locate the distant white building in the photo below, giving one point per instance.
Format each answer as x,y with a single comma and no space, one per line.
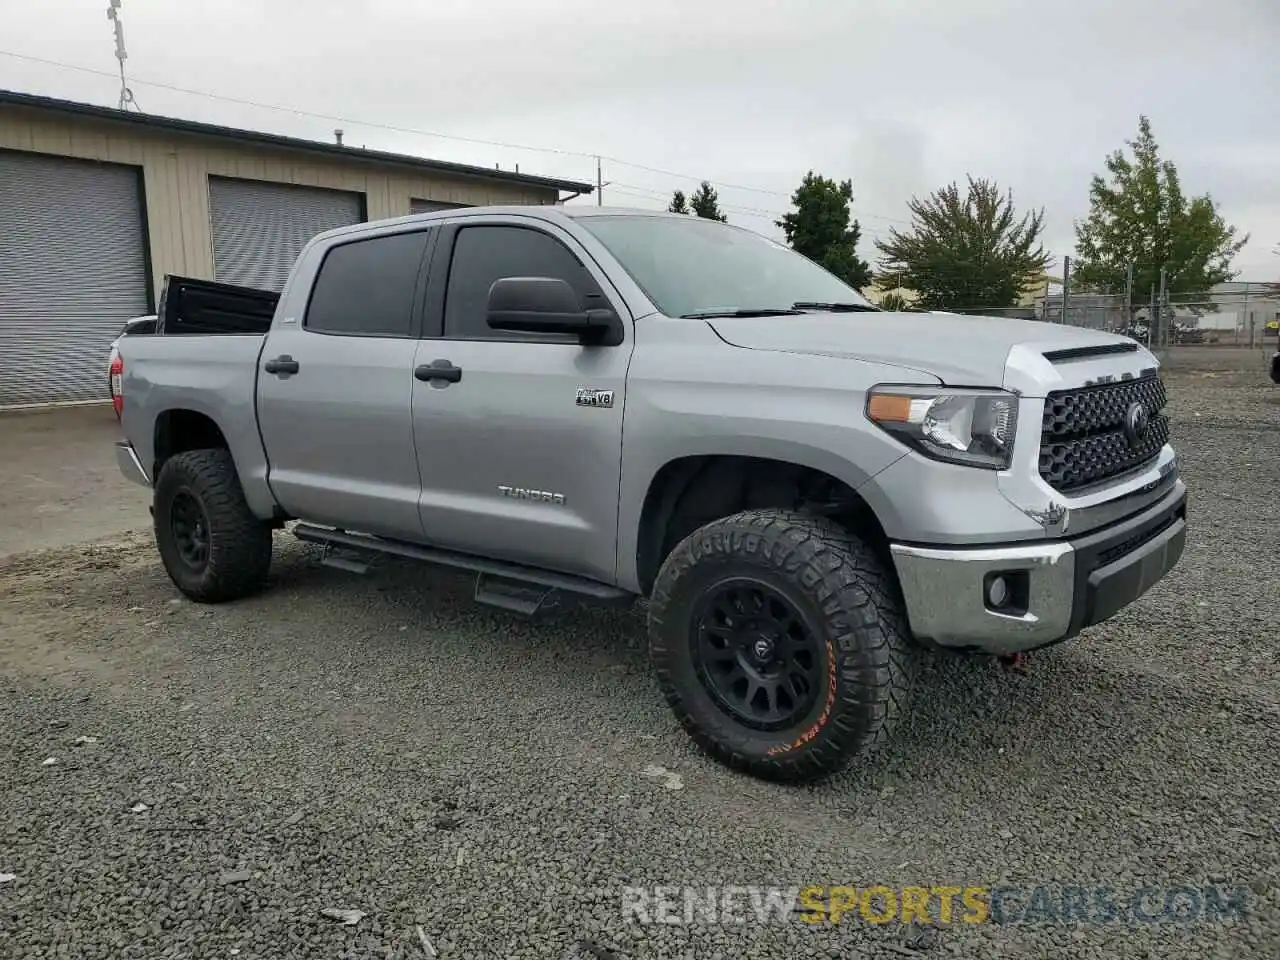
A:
1243,309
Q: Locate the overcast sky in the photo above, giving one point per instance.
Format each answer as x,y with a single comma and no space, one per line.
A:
900,96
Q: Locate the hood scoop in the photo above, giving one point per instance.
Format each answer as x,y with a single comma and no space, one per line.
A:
1089,352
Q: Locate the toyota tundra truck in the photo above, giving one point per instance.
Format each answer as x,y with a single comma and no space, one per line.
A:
585,403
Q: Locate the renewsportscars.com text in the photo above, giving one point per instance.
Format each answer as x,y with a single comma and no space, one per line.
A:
936,904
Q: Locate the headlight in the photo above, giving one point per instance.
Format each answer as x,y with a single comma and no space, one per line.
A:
972,427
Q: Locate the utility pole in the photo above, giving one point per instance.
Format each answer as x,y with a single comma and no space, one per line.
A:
1128,297
1248,314
599,185
1066,286
1164,307
1153,320
113,14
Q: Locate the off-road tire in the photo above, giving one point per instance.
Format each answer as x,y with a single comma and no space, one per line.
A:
841,588
238,543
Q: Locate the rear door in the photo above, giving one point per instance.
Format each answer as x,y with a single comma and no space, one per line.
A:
335,387
514,465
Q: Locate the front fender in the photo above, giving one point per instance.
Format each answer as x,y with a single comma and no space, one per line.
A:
689,394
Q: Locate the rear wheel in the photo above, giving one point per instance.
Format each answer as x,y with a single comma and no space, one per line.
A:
779,644
212,546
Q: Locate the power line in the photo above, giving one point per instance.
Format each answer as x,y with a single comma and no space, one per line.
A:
631,191
660,195
391,128
861,214
691,177
646,193
413,131
738,186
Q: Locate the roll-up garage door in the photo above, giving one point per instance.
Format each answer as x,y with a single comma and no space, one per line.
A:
427,206
73,268
260,228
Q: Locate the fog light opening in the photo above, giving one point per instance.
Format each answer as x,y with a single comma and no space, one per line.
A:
1007,592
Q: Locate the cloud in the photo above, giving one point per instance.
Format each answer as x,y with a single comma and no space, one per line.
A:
901,96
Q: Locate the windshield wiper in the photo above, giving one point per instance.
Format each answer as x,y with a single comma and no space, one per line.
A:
835,307
745,312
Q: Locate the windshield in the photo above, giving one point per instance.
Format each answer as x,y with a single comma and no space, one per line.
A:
691,266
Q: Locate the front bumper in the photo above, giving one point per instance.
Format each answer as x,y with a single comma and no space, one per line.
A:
129,464
1060,586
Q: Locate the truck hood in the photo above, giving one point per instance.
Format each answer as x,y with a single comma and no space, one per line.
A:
960,350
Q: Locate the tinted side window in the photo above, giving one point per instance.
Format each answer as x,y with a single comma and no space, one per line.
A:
482,255
367,287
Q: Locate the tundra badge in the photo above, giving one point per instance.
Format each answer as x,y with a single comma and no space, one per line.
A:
588,397
524,493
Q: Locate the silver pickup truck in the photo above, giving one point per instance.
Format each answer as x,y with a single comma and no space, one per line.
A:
581,402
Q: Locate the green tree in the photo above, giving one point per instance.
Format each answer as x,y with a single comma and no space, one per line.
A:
679,203
1141,217
706,204
820,228
966,251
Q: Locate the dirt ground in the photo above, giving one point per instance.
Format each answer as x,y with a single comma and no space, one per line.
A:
59,484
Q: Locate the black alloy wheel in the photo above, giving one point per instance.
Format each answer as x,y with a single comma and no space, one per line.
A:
213,546
780,643
756,654
190,527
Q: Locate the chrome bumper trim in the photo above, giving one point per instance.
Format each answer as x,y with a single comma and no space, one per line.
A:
1072,584
129,464
945,604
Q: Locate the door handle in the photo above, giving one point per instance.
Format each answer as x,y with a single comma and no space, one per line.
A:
281,364
438,370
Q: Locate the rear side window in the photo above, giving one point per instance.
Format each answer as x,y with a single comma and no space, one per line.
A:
366,288
484,254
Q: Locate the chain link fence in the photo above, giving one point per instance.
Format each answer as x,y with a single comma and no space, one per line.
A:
1232,314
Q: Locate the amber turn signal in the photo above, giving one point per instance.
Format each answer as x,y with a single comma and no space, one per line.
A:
887,408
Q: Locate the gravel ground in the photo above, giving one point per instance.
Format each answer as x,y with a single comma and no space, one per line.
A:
381,744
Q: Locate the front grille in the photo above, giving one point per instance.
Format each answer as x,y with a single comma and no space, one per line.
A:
1084,439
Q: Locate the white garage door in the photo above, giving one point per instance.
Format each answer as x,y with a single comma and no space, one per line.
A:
260,228
73,268
427,206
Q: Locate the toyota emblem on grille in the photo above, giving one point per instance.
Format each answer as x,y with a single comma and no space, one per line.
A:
1137,420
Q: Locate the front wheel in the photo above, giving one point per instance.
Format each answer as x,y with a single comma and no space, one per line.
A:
213,547
779,645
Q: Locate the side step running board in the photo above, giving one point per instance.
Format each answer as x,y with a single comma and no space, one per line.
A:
350,562
499,583
516,596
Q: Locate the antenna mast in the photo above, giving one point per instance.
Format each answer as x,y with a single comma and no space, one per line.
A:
126,95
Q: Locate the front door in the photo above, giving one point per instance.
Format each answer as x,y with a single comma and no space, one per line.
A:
517,462
335,389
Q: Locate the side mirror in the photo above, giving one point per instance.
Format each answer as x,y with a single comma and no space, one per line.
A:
548,305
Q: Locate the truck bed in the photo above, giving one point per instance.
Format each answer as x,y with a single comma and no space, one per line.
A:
210,375
191,306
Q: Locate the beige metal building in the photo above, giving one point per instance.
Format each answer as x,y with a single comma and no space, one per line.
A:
97,206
